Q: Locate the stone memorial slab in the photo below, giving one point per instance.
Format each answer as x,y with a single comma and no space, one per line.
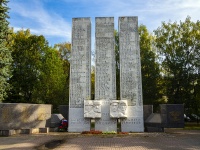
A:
24,116
105,75
92,109
154,123
148,110
97,108
130,74
56,120
118,109
172,115
80,68
114,106
105,123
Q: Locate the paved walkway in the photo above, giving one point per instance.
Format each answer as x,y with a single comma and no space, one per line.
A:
172,139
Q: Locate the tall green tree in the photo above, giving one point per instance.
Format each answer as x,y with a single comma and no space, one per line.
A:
38,73
149,68
65,54
51,86
5,53
27,52
179,47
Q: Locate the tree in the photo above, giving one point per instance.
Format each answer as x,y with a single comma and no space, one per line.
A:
179,45
117,63
51,86
149,68
5,53
38,73
93,82
27,52
65,54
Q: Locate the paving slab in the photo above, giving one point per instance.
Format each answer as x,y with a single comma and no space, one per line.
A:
175,139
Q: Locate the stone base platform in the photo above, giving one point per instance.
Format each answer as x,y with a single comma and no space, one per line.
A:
23,131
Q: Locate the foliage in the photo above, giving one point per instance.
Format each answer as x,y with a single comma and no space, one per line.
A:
178,45
5,54
64,49
26,50
192,126
65,54
117,63
51,85
93,82
149,68
38,73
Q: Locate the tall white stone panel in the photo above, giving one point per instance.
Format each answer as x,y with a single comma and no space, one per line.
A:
105,76
130,74
80,68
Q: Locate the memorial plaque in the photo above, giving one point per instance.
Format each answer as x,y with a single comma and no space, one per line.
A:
114,106
118,109
80,68
92,109
130,73
105,75
172,115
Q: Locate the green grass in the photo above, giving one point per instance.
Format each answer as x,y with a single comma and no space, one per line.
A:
192,126
92,125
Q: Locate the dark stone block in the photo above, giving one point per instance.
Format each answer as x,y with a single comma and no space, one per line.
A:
154,123
25,131
64,110
44,130
148,110
154,129
154,118
163,108
55,120
172,115
7,132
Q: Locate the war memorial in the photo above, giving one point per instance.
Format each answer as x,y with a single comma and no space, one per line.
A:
105,109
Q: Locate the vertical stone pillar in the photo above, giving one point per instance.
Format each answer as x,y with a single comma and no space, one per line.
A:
105,76
80,68
130,74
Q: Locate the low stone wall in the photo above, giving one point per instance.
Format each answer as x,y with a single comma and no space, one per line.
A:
14,116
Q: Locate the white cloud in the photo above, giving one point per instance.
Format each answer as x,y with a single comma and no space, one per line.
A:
152,12
41,21
35,15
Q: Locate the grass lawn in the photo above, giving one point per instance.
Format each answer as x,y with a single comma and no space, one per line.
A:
192,126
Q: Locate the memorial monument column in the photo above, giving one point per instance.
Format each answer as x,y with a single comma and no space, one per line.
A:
105,75
80,69
130,74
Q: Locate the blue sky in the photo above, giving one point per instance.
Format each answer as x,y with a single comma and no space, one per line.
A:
53,18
